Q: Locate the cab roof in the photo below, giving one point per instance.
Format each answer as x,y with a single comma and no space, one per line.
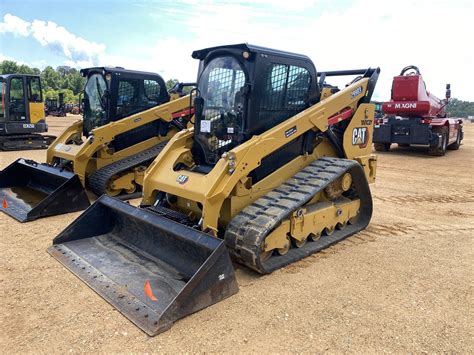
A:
6,76
115,70
202,53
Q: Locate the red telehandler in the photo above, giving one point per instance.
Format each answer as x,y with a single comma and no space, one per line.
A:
415,116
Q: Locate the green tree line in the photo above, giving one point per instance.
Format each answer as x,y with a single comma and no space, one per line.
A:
458,108
69,81
62,79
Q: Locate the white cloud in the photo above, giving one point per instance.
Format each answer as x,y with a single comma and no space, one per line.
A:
40,64
435,36
76,50
63,42
169,57
14,25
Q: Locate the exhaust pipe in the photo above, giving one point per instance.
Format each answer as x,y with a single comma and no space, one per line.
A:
151,269
29,191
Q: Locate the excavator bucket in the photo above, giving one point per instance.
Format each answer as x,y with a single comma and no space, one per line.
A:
151,269
29,190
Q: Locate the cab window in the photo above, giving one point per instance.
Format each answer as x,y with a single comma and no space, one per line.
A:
286,92
34,90
16,104
135,95
152,90
127,100
16,90
286,88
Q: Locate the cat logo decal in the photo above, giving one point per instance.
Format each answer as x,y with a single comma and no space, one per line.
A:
360,136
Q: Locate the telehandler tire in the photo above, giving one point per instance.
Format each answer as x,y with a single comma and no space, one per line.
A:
440,149
457,144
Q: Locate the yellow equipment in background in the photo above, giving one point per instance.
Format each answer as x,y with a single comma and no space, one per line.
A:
128,118
22,113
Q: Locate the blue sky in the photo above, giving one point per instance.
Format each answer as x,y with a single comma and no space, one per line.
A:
159,36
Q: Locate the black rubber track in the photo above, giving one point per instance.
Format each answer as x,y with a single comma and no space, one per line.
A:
98,180
248,229
44,140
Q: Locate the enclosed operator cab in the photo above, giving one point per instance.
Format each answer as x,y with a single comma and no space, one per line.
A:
111,94
241,97
21,112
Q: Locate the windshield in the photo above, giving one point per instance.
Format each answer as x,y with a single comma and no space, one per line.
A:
94,102
221,123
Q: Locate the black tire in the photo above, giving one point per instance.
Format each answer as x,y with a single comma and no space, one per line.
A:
382,147
457,144
403,145
440,149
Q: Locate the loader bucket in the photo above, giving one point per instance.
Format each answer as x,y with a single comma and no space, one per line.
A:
151,269
29,190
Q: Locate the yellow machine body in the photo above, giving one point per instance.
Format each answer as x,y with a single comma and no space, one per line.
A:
88,155
276,167
223,194
36,111
128,118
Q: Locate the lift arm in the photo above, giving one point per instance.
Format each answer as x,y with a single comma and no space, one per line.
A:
101,136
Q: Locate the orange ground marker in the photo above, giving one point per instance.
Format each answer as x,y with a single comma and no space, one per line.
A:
149,291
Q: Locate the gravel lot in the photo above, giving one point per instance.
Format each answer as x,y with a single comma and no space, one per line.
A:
403,285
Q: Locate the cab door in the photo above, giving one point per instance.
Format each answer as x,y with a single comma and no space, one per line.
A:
17,106
35,99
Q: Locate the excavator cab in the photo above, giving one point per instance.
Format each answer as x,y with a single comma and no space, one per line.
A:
22,113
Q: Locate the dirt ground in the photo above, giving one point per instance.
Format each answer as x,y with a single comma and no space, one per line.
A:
403,285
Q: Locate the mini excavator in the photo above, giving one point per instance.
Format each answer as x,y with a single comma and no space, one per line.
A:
22,114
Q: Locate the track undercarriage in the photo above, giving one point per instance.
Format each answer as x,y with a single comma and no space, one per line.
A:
124,177
314,209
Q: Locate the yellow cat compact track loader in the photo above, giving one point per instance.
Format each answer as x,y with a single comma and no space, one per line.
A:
128,118
276,168
22,116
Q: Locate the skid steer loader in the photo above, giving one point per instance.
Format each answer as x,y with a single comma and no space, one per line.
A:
128,118
276,168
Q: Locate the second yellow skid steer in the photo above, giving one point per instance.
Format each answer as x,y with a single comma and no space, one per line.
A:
128,118
276,168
